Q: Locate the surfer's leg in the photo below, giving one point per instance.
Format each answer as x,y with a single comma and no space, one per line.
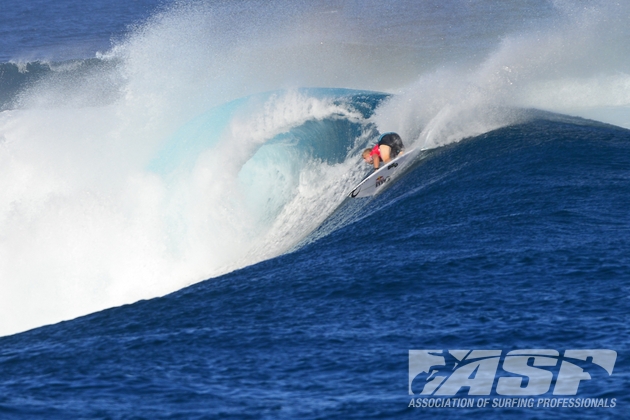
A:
395,144
385,152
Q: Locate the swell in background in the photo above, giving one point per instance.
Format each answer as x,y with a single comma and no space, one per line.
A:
89,220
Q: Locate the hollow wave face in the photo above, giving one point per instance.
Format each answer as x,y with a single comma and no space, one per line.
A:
193,146
87,226
103,202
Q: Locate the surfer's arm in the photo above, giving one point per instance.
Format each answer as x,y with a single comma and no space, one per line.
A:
376,162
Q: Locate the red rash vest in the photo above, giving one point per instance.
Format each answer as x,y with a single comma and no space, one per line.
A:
376,152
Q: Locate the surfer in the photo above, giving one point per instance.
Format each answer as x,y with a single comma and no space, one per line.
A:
388,147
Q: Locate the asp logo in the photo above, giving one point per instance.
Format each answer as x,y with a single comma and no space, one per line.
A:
523,372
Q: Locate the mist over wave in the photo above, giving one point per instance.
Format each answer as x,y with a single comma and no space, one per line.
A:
579,65
188,149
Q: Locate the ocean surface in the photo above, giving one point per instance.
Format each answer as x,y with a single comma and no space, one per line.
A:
177,240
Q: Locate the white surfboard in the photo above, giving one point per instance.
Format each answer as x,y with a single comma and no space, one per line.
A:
377,180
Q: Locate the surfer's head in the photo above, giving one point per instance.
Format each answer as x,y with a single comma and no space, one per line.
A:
367,156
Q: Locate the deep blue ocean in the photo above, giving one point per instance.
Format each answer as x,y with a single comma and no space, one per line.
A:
177,240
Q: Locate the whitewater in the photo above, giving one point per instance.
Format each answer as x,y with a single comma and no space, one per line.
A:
203,137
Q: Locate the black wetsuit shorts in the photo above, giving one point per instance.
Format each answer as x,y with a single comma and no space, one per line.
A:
394,141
